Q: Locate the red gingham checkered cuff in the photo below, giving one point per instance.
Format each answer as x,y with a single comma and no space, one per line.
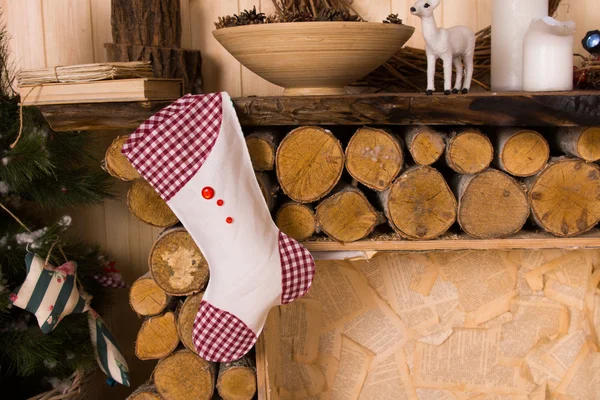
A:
171,146
297,269
220,336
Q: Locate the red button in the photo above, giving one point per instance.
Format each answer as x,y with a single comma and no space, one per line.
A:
220,202
229,220
208,192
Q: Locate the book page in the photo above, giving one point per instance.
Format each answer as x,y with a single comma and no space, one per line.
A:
450,317
330,342
301,320
564,352
568,262
565,294
582,380
423,283
341,291
299,381
417,311
329,366
532,321
486,282
467,361
434,394
379,329
354,365
389,379
536,365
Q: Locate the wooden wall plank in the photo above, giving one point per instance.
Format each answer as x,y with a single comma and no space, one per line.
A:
186,27
373,10
68,32
25,26
101,27
459,12
252,84
586,14
484,14
220,70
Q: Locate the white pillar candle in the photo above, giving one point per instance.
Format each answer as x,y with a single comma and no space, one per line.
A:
510,20
548,55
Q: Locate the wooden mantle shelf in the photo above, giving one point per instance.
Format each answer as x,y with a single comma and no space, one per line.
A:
578,108
520,241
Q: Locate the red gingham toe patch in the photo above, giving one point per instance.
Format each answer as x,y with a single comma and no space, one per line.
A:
297,269
220,336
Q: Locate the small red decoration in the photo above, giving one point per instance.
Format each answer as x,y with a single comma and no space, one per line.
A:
229,220
220,202
208,192
64,190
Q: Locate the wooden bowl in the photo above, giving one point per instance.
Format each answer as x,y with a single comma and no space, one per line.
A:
314,58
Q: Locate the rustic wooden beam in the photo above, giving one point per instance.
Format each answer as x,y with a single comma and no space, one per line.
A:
100,116
501,109
580,108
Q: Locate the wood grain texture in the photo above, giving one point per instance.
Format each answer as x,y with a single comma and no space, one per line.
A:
565,197
26,40
309,163
347,215
521,152
491,204
237,379
520,241
101,28
68,21
185,320
146,22
374,157
420,205
502,109
176,263
184,376
469,151
157,337
147,205
296,220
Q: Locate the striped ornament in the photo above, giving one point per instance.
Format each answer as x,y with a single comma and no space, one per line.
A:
50,293
108,354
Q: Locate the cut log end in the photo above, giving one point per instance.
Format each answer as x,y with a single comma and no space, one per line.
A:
420,205
348,216
374,158
237,379
146,205
117,164
147,298
157,338
492,205
261,146
469,152
309,163
565,197
176,263
186,318
183,376
145,392
523,153
588,145
296,220
425,145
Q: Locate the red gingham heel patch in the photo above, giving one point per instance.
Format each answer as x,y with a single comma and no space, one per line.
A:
220,336
297,269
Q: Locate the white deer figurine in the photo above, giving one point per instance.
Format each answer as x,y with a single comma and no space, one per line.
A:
452,45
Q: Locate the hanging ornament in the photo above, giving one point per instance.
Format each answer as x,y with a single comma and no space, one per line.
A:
51,293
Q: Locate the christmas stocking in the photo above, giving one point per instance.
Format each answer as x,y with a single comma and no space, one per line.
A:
194,155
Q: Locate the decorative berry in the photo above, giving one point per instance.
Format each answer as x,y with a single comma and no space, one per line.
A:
229,220
220,202
208,192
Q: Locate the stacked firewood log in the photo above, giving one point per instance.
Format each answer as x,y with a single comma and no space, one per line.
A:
421,180
168,297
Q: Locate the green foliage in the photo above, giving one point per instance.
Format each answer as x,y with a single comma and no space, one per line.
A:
44,171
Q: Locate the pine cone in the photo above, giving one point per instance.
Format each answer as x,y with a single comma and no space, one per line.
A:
331,14
226,22
393,19
251,17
